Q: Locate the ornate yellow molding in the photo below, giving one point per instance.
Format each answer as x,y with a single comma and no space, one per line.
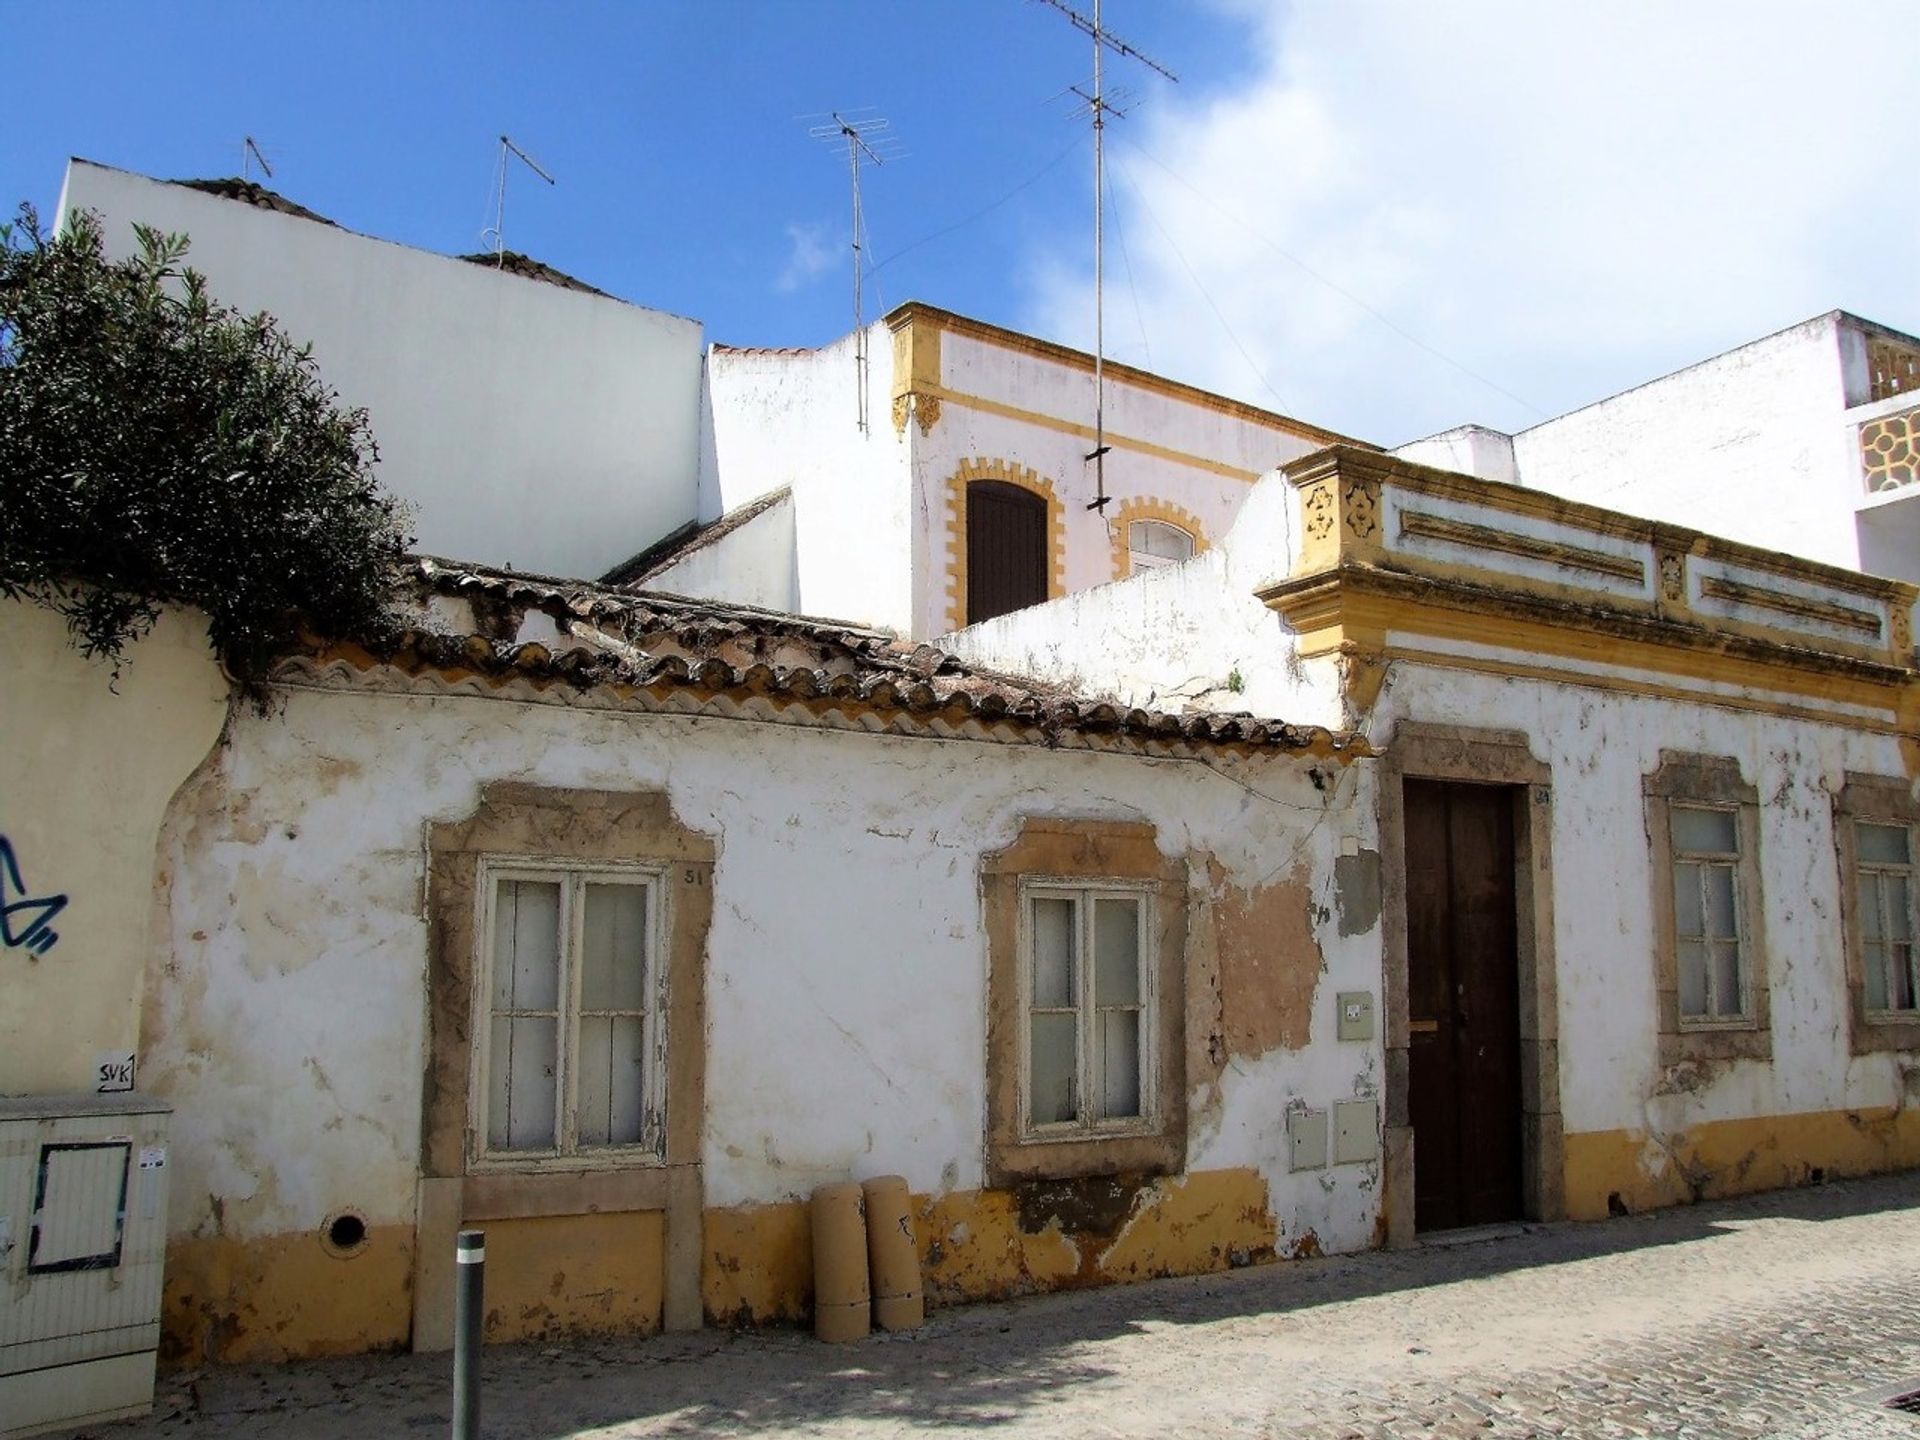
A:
981,468
916,373
1357,595
1148,507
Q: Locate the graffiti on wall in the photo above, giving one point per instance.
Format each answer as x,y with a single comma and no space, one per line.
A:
26,921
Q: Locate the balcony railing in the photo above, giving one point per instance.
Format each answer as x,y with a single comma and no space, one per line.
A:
1890,450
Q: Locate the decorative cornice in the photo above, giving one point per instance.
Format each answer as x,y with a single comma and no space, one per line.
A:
1443,528
1736,592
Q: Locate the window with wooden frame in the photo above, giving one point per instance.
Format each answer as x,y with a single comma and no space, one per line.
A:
1709,931
1706,912
1875,818
569,1052
1090,1051
1086,925
1154,543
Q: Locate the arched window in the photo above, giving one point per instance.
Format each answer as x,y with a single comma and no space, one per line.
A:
1006,549
1153,543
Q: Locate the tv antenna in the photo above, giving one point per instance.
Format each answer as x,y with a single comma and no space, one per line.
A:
250,152
867,137
1098,105
498,242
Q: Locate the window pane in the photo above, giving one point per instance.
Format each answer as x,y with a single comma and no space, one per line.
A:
526,945
1697,830
1727,998
1116,952
520,1078
610,1076
1899,911
1873,960
1688,917
1055,1055
1900,978
1881,844
1165,542
1052,953
614,948
1720,916
1870,906
1119,1064
1693,980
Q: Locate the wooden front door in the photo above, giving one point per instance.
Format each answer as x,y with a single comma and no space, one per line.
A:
1463,1004
1006,549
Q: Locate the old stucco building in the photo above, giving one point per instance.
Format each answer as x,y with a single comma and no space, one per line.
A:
1371,849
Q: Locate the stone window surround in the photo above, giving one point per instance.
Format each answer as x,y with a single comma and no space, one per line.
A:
1070,850
516,821
1887,800
1689,778
1421,751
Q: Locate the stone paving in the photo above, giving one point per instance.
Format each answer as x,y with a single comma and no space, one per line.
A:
1760,1317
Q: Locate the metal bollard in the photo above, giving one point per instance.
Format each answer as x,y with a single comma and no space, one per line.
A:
469,1305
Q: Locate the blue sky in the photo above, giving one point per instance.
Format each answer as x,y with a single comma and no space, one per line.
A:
685,180
1386,216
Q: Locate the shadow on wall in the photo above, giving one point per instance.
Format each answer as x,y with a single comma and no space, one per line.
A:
979,1367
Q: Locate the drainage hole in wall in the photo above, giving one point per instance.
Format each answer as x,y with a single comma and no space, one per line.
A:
345,1233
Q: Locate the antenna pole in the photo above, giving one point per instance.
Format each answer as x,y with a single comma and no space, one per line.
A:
866,137
1098,106
250,152
498,232
1099,274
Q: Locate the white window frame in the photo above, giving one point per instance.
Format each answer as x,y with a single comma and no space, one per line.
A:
1733,861
573,878
1139,560
1905,871
1085,891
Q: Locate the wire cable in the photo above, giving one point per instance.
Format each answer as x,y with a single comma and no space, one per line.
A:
1127,260
1259,374
1337,288
985,210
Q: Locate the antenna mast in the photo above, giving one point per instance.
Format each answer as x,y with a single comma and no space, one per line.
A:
498,241
1098,105
867,136
250,152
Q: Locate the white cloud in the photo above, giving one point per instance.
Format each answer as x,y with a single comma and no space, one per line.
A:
811,252
1566,200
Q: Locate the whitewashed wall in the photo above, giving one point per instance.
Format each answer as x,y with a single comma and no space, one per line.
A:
753,564
1193,634
847,967
529,425
1601,746
1748,445
791,418
1064,393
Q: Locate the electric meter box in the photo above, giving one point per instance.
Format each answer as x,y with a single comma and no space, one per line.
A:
83,1238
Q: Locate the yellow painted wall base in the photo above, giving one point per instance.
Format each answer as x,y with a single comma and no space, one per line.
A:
1608,1170
575,1275
992,1244
285,1297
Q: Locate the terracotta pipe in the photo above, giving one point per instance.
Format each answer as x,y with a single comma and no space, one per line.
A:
842,1305
893,1254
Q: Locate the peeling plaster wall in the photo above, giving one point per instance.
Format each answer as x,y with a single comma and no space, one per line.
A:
1179,635
85,776
1657,1136
846,993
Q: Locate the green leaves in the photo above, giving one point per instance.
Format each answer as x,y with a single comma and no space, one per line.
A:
159,448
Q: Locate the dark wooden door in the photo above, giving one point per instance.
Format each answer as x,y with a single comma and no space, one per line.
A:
1463,1004
1006,549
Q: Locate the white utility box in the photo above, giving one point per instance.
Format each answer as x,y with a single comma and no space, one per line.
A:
83,1238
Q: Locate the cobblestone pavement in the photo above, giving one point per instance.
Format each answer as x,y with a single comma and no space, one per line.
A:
1749,1318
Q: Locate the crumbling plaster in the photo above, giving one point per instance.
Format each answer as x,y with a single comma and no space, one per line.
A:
846,968
1616,1097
